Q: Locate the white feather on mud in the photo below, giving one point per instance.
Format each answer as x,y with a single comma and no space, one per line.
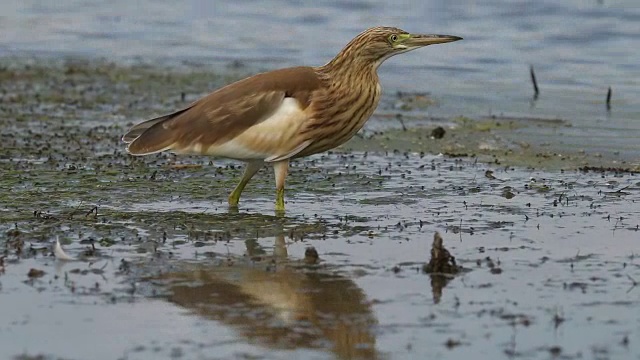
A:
59,253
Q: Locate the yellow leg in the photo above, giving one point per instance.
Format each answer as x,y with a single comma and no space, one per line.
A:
281,169
279,199
251,169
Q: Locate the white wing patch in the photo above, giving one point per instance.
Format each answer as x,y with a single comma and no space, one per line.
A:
271,138
234,149
290,154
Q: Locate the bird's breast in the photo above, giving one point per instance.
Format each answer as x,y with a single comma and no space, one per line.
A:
339,116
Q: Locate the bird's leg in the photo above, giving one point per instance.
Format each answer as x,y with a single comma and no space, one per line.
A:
251,169
281,169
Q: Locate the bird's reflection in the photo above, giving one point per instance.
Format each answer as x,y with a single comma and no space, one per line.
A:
280,303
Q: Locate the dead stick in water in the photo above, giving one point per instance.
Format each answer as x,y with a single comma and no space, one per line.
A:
535,83
609,98
399,117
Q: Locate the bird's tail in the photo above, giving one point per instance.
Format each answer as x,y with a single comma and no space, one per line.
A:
151,136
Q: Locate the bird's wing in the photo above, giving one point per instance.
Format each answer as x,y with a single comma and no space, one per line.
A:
256,118
140,128
303,145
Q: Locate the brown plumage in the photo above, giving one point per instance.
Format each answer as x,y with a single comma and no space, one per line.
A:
283,114
223,114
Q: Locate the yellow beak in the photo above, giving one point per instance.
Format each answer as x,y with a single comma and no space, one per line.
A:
416,40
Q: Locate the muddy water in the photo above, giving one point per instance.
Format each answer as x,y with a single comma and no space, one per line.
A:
165,270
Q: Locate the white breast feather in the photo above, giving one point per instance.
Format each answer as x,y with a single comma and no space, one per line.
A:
266,138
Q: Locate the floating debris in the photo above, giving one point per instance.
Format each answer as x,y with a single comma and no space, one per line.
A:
59,253
507,192
452,343
489,175
441,268
35,273
185,166
411,101
438,133
555,351
311,255
442,261
494,266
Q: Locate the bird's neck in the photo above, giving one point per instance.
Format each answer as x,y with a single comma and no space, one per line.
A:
345,70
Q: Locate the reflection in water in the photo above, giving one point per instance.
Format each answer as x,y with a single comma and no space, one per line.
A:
441,267
438,282
280,304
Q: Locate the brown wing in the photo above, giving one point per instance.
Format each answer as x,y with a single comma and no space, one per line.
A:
225,113
138,129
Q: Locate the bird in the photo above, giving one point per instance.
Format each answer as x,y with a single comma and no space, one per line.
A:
277,116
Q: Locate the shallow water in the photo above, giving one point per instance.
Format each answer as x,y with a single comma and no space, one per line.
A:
180,276
578,48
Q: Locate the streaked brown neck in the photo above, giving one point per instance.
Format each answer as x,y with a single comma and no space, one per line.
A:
354,65
350,96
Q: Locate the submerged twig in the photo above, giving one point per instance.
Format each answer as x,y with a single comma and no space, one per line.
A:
399,117
619,192
634,283
623,188
536,91
94,211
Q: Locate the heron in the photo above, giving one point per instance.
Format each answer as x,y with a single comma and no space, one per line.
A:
277,116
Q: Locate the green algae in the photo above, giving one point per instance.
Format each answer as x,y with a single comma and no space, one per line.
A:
493,141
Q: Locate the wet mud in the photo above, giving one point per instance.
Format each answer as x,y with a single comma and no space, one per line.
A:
537,256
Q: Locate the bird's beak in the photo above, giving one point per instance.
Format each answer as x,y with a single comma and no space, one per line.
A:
417,40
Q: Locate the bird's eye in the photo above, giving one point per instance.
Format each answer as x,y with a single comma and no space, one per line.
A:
393,38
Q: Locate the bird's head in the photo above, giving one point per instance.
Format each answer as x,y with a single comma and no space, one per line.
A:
377,44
